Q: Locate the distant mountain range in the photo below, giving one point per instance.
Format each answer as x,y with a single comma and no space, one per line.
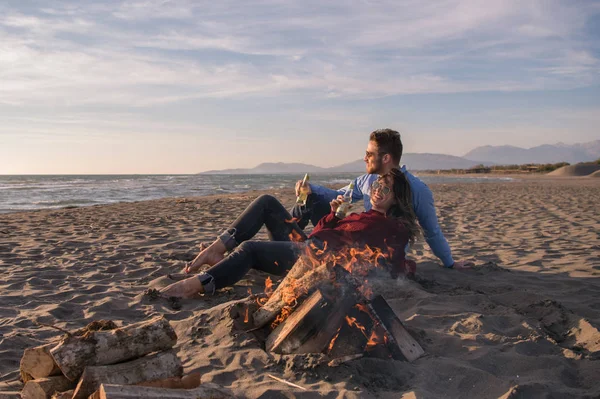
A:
506,154
487,155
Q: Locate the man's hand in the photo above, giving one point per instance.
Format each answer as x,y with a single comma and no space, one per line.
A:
306,188
461,265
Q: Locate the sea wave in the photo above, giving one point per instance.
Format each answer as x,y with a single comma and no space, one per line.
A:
18,193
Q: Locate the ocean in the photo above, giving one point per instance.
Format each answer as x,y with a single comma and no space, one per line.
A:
31,192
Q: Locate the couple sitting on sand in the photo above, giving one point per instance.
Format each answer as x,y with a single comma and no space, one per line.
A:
393,198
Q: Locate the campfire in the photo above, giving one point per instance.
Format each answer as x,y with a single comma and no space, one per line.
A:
326,305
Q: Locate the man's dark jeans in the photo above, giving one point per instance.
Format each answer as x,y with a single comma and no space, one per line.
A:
314,210
275,257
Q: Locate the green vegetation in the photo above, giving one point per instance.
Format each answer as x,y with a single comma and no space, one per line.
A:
505,169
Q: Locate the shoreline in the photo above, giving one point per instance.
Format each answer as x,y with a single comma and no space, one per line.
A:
512,180
62,192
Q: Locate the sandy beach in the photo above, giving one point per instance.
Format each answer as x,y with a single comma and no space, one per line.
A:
523,323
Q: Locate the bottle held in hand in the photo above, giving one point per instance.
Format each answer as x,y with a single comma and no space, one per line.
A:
342,210
303,192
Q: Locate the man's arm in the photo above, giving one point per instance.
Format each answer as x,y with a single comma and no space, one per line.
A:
425,211
328,194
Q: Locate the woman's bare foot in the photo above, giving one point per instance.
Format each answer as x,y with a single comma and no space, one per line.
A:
188,288
209,255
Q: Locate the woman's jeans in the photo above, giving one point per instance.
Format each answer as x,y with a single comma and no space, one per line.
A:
275,257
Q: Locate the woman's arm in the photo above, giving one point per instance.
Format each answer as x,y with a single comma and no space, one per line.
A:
329,221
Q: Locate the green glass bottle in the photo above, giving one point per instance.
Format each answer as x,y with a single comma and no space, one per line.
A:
302,191
340,213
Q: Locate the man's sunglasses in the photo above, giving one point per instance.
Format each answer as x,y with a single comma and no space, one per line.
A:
369,154
385,190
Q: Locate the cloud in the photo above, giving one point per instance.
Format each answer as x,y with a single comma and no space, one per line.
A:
143,53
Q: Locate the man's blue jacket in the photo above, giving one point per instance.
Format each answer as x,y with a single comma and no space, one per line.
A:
422,204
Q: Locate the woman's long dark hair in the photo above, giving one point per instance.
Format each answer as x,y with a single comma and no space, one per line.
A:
403,208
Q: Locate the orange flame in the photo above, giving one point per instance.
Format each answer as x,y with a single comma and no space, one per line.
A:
247,316
295,236
289,296
358,262
375,339
269,286
332,343
285,312
363,308
353,323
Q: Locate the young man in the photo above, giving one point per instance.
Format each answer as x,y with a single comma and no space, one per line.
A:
383,154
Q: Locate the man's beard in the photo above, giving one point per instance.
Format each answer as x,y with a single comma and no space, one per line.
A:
376,167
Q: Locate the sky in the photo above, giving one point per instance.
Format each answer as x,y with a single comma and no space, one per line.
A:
159,86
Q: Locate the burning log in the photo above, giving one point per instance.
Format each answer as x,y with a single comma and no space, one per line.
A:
44,388
321,320
290,290
353,333
38,363
403,345
319,341
311,327
205,391
75,353
148,368
312,312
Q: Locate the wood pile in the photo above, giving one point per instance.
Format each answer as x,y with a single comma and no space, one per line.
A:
334,315
105,361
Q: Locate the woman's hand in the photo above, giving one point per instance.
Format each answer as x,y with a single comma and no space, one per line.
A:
335,204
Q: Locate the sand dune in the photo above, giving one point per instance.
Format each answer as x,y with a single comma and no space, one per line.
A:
595,174
524,323
575,170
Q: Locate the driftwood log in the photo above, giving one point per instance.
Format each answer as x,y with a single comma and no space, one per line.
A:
38,363
44,388
189,381
74,353
301,279
63,395
148,368
205,391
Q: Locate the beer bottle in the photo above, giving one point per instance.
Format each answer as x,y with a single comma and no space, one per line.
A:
340,213
302,191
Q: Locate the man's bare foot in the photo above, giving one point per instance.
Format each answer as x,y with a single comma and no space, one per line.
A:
188,288
209,255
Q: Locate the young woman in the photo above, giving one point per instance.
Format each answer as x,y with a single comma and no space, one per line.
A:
388,226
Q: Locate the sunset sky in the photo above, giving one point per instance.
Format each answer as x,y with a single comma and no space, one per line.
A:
185,86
